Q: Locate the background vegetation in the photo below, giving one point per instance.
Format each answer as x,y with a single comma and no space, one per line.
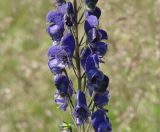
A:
132,63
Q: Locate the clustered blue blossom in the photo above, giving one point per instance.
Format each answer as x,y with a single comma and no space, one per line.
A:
60,26
61,52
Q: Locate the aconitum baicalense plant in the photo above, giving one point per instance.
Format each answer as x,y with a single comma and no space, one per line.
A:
82,52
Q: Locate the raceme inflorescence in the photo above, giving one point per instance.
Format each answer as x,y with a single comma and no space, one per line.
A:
83,52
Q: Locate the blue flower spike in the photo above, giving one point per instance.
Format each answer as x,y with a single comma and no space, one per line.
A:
84,56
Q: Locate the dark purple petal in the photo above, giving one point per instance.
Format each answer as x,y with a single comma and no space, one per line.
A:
69,17
100,86
103,127
54,17
54,50
101,99
103,34
68,20
93,35
54,69
91,22
68,43
69,8
61,101
96,12
100,48
93,74
62,83
85,53
81,99
97,81
55,31
90,87
99,119
62,8
61,79
92,62
56,63
58,56
81,111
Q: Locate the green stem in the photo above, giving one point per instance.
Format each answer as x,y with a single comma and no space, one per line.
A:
70,100
71,111
83,129
77,54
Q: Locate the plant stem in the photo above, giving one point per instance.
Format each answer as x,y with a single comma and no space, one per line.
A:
73,118
77,54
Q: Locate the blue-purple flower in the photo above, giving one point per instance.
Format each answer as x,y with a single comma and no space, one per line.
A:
58,57
85,53
97,81
81,111
68,13
55,27
92,62
100,121
60,54
95,35
61,101
101,100
100,48
91,57
91,22
68,43
69,17
64,90
95,12
63,85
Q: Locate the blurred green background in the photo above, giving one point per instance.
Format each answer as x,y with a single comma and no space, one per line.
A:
132,63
